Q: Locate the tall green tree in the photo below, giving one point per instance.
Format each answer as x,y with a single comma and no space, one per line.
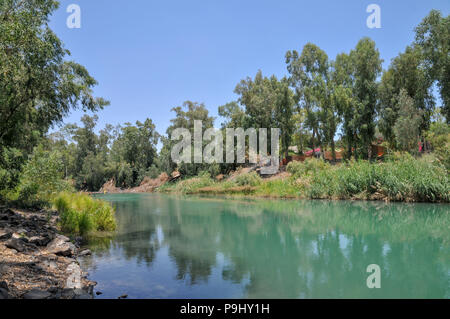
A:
433,38
312,76
38,85
344,100
308,72
407,126
136,146
284,111
367,67
185,116
405,72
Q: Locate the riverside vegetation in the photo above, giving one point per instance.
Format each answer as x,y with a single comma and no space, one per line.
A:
398,179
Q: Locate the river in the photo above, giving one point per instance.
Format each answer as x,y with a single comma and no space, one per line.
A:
190,247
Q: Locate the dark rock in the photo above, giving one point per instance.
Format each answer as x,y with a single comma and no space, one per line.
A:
4,294
84,296
68,294
37,294
53,290
39,241
16,244
59,246
123,297
98,293
85,252
4,285
5,234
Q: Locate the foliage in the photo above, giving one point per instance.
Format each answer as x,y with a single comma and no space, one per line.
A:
402,179
190,185
433,39
439,137
38,85
82,214
248,179
309,167
407,126
405,73
40,180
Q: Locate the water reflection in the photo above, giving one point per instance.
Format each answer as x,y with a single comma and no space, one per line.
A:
169,247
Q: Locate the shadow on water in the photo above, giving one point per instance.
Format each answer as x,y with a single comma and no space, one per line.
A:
176,247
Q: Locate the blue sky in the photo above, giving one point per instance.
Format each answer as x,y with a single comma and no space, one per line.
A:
149,56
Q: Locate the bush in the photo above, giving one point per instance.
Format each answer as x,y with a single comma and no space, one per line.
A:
439,137
81,214
308,167
41,180
248,179
189,186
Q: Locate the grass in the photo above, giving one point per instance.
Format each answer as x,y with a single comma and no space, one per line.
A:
82,214
402,179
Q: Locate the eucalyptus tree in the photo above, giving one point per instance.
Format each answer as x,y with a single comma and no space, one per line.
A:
185,117
366,62
135,145
307,71
312,78
266,103
433,38
407,125
258,96
343,80
284,111
38,85
406,72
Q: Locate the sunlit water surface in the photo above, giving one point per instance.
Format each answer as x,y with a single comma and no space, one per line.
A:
184,247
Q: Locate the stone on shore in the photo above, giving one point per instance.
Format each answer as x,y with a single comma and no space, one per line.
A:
59,246
37,294
16,244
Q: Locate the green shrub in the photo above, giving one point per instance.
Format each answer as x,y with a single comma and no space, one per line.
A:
439,137
40,181
401,178
81,214
248,179
189,186
308,167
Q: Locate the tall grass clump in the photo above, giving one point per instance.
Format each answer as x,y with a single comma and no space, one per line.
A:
190,186
81,214
248,179
400,178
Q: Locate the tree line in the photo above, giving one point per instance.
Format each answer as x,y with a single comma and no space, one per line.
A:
346,102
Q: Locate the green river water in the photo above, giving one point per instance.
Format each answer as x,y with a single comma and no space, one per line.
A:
187,247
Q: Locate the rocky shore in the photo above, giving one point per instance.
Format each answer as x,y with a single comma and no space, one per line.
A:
36,261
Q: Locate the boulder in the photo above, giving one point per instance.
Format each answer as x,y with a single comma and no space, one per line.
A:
5,233
16,244
4,294
85,252
63,238
39,240
59,246
37,294
74,279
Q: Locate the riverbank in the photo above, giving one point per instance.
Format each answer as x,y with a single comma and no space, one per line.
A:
37,261
404,179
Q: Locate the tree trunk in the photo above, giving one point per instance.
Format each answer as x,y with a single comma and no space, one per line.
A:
333,150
